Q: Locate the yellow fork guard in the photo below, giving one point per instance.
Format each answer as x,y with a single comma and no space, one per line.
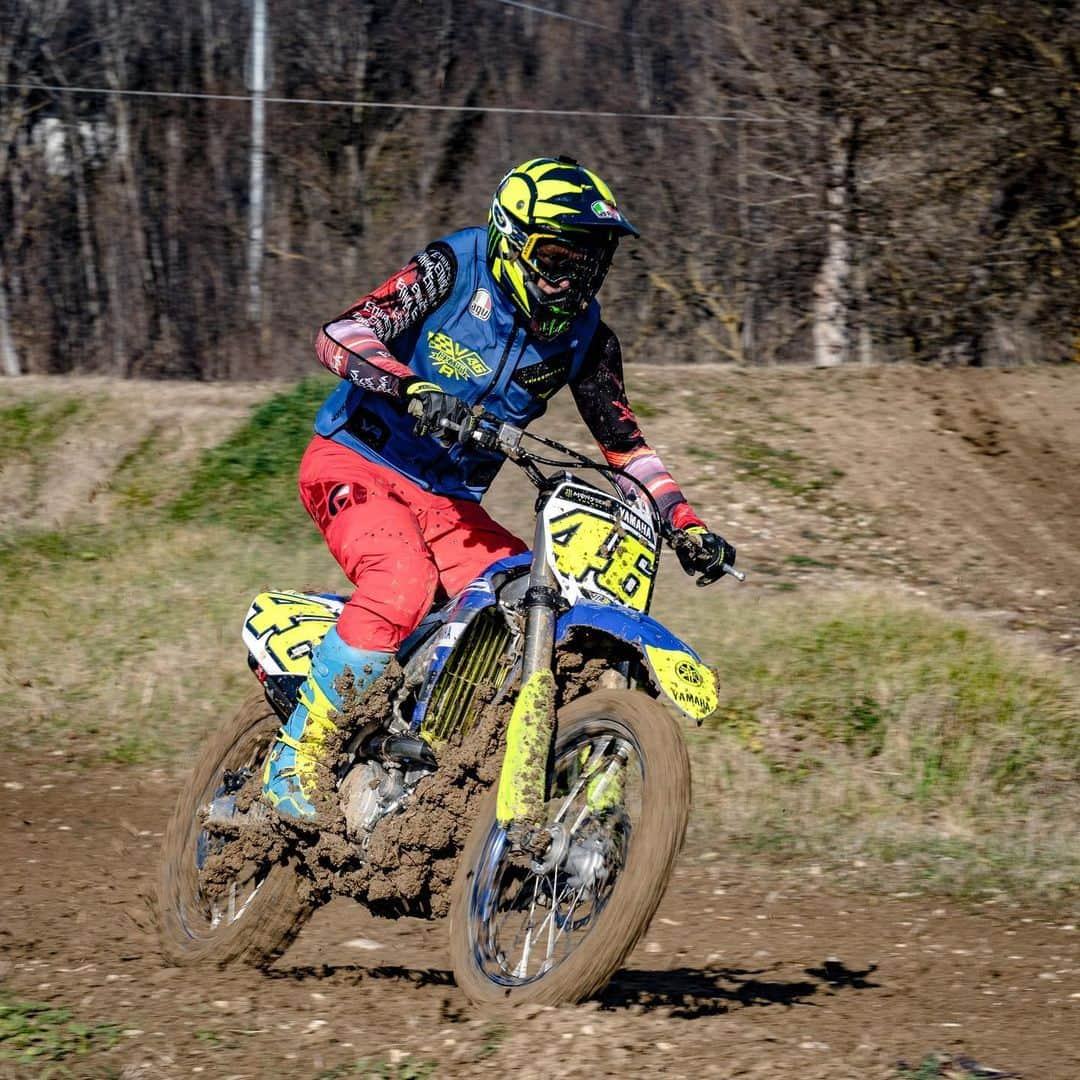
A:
523,780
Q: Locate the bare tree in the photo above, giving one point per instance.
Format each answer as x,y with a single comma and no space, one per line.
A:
883,181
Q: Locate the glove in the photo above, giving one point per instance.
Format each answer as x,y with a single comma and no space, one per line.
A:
433,408
702,552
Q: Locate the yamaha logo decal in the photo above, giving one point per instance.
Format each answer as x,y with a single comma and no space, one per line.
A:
688,673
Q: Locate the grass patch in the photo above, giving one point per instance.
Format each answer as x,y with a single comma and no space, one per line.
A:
862,727
26,552
137,483
130,658
782,469
807,561
36,1034
930,1068
248,482
702,453
959,706
29,427
126,647
29,431
381,1069
643,410
494,1037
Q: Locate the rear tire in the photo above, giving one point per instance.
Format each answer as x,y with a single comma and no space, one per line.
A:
193,927
493,890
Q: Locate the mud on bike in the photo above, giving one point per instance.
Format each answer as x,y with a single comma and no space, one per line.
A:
543,681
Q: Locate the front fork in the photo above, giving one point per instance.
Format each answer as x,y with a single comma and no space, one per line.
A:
523,780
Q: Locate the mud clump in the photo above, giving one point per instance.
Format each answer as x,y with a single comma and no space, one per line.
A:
367,706
254,845
407,864
250,842
362,711
580,678
261,837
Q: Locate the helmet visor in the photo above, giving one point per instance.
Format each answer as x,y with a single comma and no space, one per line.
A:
568,271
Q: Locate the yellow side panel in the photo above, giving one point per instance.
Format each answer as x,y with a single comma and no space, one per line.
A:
287,626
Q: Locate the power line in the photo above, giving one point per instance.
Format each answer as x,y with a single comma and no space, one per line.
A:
568,18
414,106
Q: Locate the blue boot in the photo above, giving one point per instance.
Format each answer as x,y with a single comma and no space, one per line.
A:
291,769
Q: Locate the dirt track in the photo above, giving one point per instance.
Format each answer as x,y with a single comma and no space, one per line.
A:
761,972
964,486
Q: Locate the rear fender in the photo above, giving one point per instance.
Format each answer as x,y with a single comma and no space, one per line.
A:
675,668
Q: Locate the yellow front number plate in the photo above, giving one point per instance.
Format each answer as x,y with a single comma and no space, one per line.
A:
601,551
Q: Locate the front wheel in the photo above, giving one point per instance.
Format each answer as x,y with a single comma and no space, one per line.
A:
555,929
226,891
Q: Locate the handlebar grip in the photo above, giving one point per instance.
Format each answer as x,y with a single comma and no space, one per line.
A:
415,409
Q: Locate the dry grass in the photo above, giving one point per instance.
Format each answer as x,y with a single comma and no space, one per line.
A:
860,727
129,646
856,728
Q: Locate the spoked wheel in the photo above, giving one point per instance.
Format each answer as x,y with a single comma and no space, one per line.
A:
225,891
556,928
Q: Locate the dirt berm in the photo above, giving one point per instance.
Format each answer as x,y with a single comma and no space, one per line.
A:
960,486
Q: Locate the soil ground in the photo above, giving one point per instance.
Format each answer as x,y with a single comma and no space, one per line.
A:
747,971
960,486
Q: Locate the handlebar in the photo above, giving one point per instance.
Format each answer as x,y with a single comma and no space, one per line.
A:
494,434
677,539
482,428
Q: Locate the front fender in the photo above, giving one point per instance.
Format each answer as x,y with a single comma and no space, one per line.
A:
675,667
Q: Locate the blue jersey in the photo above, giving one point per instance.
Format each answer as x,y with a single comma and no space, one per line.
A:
473,345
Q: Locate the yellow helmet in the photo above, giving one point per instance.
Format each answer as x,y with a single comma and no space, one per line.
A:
552,232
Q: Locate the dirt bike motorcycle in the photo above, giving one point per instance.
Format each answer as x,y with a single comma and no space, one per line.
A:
552,874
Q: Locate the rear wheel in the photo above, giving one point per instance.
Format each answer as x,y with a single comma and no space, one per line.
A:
226,891
556,929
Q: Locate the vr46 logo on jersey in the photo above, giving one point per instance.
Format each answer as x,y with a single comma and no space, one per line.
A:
452,359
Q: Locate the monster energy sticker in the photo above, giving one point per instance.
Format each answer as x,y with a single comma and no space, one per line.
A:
543,379
453,360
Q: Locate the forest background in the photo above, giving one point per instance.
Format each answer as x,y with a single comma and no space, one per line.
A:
851,181
892,780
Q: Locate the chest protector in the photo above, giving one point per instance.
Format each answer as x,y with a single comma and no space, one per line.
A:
475,346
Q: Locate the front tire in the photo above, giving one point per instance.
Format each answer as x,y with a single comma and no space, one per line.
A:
520,932
256,912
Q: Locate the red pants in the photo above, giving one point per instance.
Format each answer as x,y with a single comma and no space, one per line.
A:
397,543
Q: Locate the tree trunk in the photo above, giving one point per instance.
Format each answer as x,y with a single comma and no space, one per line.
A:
9,356
832,287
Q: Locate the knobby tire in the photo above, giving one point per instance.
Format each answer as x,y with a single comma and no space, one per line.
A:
656,841
276,913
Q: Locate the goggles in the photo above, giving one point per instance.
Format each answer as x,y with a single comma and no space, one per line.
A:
558,262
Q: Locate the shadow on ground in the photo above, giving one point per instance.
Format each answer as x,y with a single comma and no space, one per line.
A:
694,992
355,974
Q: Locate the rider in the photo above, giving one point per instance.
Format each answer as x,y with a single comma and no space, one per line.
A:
503,318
